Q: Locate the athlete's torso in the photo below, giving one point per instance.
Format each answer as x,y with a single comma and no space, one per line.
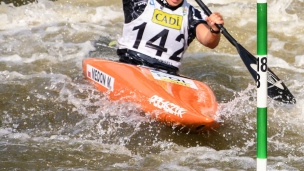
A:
157,31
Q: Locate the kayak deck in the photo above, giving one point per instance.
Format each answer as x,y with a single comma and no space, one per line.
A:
177,101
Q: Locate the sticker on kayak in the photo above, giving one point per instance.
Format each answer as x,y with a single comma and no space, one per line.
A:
173,79
167,106
100,77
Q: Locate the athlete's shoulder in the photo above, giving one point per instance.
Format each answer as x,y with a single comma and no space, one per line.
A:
135,2
195,17
196,13
133,9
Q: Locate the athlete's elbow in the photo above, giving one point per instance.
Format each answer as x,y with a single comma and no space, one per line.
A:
212,45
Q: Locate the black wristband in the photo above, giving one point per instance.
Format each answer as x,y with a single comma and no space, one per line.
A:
215,32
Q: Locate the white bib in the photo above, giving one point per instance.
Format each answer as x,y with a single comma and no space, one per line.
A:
159,33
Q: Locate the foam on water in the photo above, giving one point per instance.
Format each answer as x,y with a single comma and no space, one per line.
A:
47,12
47,109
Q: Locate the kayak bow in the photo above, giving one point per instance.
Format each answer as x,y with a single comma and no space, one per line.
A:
177,101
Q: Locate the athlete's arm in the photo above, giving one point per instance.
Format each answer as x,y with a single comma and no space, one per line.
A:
203,33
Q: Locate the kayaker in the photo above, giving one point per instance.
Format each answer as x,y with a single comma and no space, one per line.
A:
157,33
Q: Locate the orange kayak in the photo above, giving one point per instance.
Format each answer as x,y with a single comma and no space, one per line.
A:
179,102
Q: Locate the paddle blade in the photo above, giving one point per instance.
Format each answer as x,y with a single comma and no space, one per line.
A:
276,88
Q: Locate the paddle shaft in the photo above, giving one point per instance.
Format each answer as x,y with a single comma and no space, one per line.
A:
276,88
219,26
248,58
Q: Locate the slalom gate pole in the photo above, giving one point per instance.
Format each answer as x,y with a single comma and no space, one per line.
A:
262,85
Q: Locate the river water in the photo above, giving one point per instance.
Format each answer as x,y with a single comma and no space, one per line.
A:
53,119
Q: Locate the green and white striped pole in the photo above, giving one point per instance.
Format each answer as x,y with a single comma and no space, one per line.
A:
262,85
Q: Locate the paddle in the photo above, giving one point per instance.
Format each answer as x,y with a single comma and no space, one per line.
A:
276,88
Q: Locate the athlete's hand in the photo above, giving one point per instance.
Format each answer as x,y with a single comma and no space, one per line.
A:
215,18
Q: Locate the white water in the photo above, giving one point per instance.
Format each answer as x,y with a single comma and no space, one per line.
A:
51,118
